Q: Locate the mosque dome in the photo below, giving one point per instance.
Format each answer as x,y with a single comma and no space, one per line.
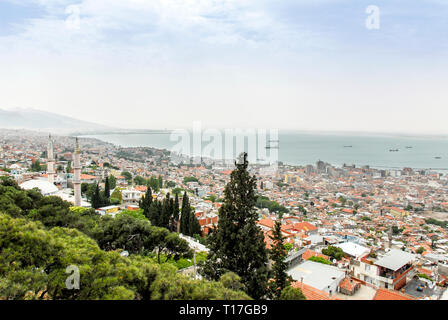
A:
45,187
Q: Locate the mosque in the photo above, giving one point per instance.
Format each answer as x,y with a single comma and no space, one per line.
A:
47,186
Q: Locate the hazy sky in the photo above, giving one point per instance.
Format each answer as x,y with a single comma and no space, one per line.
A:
292,64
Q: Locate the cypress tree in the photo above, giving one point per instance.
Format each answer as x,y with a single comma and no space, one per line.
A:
107,189
185,215
280,279
237,244
176,212
96,198
195,227
145,202
154,213
166,212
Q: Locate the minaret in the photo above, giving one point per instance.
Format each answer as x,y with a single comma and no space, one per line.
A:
50,160
77,178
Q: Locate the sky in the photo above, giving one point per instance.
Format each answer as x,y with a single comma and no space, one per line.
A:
289,64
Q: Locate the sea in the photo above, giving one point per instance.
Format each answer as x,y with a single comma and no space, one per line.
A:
299,148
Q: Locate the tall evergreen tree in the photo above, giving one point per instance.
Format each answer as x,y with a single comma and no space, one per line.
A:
166,213
154,213
107,189
145,202
160,182
195,227
280,279
96,198
176,212
237,244
185,215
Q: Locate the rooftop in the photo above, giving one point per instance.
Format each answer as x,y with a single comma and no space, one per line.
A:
395,259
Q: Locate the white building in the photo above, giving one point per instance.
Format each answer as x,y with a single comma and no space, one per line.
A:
318,275
45,187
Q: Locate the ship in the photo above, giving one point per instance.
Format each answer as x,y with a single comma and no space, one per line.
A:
393,150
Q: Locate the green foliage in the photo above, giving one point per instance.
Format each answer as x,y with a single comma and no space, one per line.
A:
237,245
272,206
127,175
116,195
291,293
33,264
190,179
136,214
288,246
436,222
189,224
319,259
424,276
420,250
280,279
112,182
334,252
232,281
36,166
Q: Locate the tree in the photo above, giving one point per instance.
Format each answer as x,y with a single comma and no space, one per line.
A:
278,254
112,182
107,188
68,169
160,182
155,212
185,215
195,227
291,293
145,202
154,184
127,175
176,212
33,262
36,166
334,252
96,198
237,244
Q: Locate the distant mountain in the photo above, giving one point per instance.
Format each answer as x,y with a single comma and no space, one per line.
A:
33,119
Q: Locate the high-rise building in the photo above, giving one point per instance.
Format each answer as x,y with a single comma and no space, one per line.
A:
77,177
50,160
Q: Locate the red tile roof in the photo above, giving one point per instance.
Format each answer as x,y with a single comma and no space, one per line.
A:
386,294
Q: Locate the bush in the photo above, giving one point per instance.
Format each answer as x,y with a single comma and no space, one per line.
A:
291,293
319,259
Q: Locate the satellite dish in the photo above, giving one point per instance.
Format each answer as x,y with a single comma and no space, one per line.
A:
334,260
124,254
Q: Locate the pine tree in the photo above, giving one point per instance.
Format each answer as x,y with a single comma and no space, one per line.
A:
278,253
237,244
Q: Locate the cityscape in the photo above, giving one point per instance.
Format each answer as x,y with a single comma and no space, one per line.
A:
223,158
350,233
